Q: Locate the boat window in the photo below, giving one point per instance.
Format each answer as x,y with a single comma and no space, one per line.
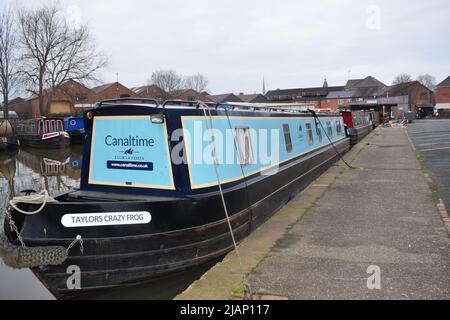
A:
329,129
287,137
319,131
81,97
41,127
47,126
338,127
244,145
53,126
60,126
309,133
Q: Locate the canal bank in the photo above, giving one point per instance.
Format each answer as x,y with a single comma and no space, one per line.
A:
380,216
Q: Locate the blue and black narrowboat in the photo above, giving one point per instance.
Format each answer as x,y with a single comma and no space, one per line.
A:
43,132
359,124
75,128
162,184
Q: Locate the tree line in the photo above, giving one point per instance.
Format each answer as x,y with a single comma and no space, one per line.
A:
171,82
427,80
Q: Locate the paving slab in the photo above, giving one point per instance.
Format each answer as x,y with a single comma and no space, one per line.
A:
382,214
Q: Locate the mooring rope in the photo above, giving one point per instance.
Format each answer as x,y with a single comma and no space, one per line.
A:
41,198
216,164
316,117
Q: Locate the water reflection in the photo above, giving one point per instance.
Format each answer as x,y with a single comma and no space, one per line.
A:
59,171
55,170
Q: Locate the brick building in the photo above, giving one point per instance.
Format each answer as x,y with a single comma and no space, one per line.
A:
189,95
70,98
151,92
420,99
112,91
221,98
253,98
316,96
443,98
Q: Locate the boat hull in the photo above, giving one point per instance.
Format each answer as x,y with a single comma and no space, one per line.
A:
8,142
76,137
357,134
57,142
183,233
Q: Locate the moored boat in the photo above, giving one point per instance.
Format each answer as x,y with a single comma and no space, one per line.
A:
43,132
75,128
161,184
358,123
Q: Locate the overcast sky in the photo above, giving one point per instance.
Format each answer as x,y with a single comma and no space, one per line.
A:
291,43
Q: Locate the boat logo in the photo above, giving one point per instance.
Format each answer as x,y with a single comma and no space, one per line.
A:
129,152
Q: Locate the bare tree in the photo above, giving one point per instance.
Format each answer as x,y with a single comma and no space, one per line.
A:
55,52
402,78
168,80
74,59
196,82
428,81
8,58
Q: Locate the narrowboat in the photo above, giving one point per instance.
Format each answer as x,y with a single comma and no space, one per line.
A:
43,132
358,124
8,138
75,128
162,186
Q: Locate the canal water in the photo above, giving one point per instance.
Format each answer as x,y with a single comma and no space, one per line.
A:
59,171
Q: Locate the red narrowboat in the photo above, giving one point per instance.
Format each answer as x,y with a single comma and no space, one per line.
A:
43,133
358,123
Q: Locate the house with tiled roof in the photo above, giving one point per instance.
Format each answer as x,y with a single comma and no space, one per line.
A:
227,97
113,90
70,98
151,92
189,95
420,99
253,98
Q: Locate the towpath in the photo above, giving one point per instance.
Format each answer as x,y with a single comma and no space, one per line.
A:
374,232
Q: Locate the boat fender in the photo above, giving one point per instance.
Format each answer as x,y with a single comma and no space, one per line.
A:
21,256
18,257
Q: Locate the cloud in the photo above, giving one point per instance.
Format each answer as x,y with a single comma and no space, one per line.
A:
292,43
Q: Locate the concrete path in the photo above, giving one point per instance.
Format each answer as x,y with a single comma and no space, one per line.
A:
432,140
381,216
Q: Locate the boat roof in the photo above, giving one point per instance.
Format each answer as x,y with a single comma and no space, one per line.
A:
237,106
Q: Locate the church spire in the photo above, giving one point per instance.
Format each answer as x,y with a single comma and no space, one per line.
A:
325,83
264,87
